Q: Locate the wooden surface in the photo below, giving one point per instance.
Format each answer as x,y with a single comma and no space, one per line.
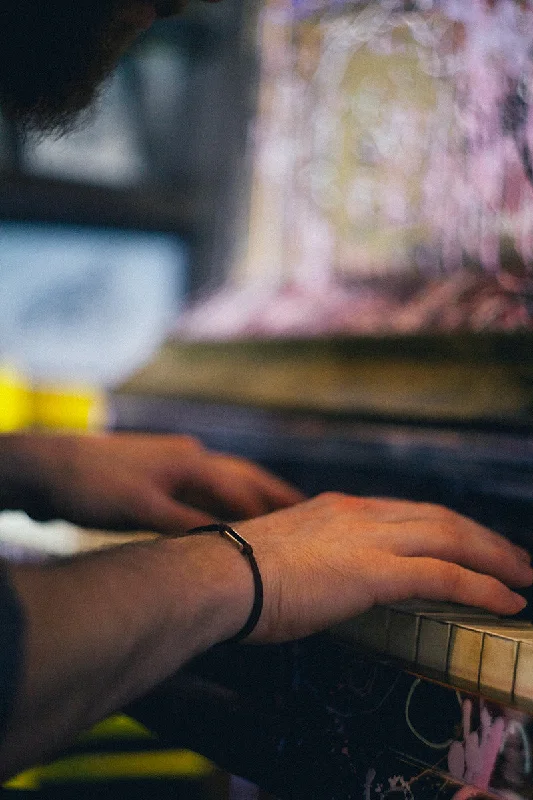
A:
456,377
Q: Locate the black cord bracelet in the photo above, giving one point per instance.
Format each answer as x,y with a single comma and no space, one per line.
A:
246,550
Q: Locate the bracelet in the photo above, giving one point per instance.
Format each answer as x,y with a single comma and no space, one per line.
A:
227,532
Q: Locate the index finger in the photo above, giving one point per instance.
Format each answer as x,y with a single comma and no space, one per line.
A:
433,579
451,537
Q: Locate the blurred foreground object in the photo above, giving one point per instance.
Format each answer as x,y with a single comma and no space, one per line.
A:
57,406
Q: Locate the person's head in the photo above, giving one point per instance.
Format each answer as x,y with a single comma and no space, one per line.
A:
55,54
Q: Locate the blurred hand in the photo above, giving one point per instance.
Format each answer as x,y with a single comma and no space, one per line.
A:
136,482
336,556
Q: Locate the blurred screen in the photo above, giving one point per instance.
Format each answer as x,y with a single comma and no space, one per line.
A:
86,304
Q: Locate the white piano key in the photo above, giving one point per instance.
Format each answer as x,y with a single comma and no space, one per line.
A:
523,682
464,656
433,645
402,638
463,646
491,650
498,660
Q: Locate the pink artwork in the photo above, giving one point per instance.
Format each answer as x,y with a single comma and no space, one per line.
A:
499,741
473,759
392,187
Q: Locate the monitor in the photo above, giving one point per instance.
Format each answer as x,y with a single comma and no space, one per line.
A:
86,304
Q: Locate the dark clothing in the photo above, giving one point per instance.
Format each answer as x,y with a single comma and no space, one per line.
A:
11,636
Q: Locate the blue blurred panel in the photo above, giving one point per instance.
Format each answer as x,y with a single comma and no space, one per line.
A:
88,304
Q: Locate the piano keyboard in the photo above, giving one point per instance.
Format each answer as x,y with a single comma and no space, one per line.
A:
463,647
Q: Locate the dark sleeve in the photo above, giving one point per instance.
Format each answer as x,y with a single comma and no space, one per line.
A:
11,636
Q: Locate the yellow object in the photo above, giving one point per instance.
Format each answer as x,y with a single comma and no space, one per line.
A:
49,406
15,400
115,766
26,781
118,726
76,408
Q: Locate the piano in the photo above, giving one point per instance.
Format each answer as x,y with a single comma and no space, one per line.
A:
386,353
418,699
460,646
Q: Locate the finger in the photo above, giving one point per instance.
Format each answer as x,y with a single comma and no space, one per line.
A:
234,488
149,508
450,537
179,444
224,495
274,492
433,579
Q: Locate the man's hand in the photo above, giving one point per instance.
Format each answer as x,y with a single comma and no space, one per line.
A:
136,482
103,629
336,556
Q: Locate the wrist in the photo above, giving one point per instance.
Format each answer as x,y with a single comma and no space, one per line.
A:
246,551
220,582
104,628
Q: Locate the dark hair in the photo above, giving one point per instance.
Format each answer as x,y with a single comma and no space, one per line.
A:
53,54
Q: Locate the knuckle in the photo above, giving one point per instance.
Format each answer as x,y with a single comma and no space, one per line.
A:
245,463
451,576
190,443
331,498
442,513
453,533
237,466
448,523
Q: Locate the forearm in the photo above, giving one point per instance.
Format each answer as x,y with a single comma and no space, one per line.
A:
103,629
